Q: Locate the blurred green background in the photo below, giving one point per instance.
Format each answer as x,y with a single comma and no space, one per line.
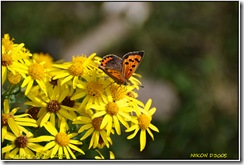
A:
191,48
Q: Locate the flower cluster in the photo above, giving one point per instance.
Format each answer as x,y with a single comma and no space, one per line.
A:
60,110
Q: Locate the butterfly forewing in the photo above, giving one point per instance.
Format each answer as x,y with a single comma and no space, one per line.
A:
112,66
130,63
111,61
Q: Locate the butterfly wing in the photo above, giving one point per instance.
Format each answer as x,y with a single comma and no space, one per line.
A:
130,63
112,66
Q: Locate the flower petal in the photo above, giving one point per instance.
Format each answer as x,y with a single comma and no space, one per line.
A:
116,125
66,153
98,114
66,114
142,139
153,128
78,95
148,104
77,142
150,133
66,79
49,145
45,119
8,148
133,127
6,106
84,127
62,127
13,126
107,118
88,133
51,129
61,75
26,81
54,151
4,132
70,152
152,111
28,88
133,135
42,138
76,148
60,153
35,147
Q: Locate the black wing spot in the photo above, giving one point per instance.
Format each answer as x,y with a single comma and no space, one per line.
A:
131,70
126,63
133,66
131,60
137,59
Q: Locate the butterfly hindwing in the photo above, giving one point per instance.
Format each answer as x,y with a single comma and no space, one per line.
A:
112,66
130,63
115,75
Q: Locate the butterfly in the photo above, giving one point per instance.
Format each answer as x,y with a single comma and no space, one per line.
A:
120,70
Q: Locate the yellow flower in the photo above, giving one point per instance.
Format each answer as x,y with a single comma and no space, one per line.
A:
91,90
92,127
35,72
73,70
40,57
52,105
22,146
15,122
119,92
12,56
14,79
114,113
143,122
62,142
135,82
111,155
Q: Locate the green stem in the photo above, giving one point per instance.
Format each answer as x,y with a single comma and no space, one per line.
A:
9,91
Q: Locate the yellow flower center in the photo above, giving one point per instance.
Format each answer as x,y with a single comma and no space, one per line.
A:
76,69
14,79
36,71
112,108
6,60
5,117
62,139
118,92
94,88
21,141
96,122
143,121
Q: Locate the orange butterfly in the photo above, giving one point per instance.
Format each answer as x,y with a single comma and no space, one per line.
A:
120,70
